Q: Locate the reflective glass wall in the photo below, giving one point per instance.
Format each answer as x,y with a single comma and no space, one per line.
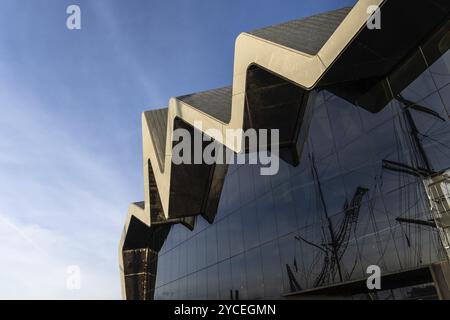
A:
356,199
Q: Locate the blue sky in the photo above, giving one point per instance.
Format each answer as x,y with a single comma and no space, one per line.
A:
70,134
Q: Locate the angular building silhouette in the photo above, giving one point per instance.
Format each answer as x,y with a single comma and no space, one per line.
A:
364,179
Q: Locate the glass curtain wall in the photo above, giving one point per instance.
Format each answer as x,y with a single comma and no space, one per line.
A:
345,207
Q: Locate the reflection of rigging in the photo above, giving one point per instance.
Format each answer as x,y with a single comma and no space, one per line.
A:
335,248
422,169
414,170
336,235
417,170
427,223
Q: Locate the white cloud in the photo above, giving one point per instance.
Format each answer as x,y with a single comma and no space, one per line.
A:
35,262
61,204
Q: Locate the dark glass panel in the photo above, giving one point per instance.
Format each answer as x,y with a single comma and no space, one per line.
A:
282,174
183,259
334,196
246,187
175,273
238,277
163,293
223,239
320,134
250,225
192,286
211,245
202,285
354,155
201,250
213,282
182,287
372,120
273,281
175,290
253,268
235,233
288,261
222,209
284,209
158,294
266,218
233,192
444,92
261,183
225,284
345,121
191,255
160,274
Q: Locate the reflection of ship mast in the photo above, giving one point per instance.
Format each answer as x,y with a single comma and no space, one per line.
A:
417,143
334,250
336,238
417,170
426,174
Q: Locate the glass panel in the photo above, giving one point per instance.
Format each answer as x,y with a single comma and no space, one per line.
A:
202,282
247,189
266,218
201,250
182,252
233,192
288,264
213,282
346,124
253,267
273,281
223,239
282,175
211,245
182,287
191,255
192,286
238,278
236,235
284,209
225,285
250,225
261,183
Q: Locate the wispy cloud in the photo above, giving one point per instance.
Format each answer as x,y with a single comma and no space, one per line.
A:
61,204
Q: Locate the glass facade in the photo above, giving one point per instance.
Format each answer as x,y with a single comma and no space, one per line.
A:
356,199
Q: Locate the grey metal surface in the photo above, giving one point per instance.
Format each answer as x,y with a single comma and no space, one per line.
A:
307,34
216,102
158,128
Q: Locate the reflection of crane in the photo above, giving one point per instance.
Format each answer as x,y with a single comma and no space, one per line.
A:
335,249
293,283
350,219
334,252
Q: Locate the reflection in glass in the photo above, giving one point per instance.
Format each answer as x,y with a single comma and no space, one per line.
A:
357,198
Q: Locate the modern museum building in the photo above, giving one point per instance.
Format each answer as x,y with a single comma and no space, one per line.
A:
363,112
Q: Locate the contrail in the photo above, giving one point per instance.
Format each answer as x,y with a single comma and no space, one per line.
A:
23,235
